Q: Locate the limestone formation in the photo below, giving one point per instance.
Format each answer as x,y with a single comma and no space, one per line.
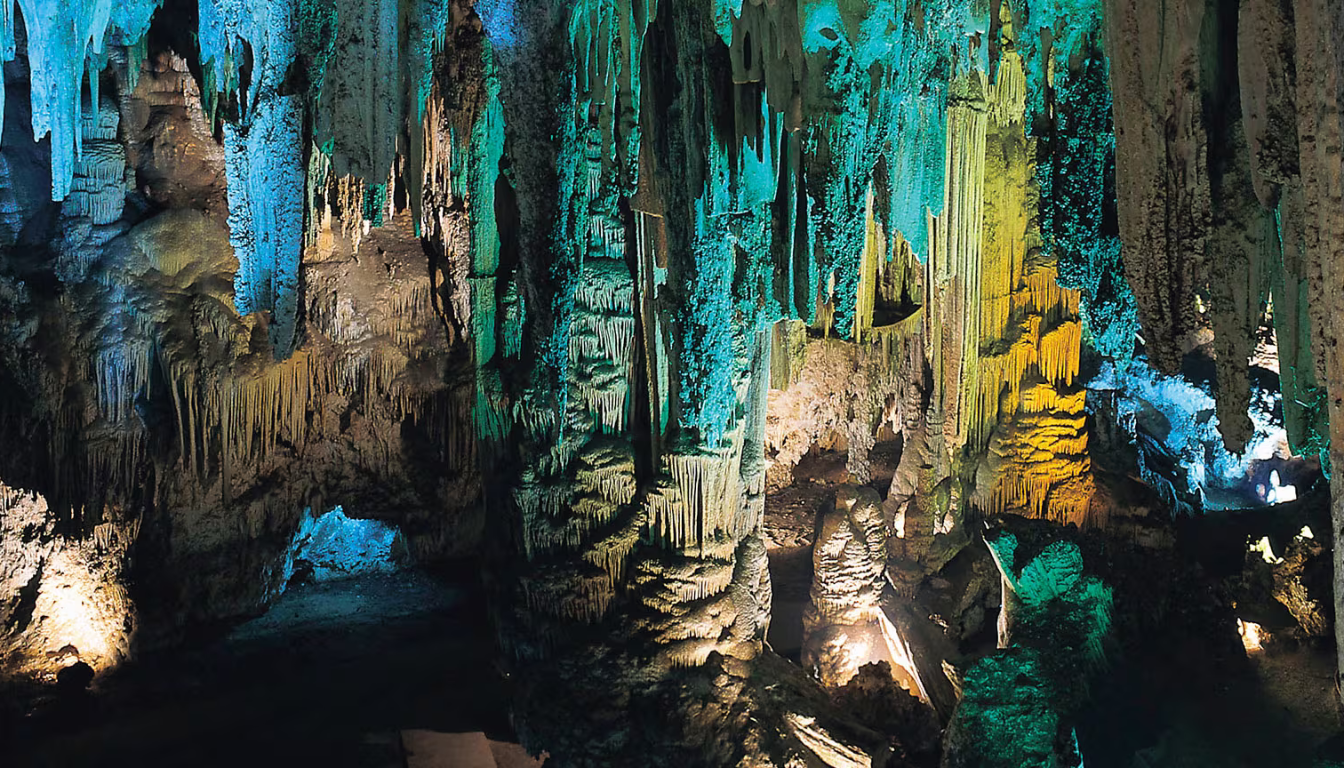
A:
575,287
1018,703
844,627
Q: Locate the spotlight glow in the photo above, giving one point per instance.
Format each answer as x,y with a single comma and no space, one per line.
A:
1253,636
338,547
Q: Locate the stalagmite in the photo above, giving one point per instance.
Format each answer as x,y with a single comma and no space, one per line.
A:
844,626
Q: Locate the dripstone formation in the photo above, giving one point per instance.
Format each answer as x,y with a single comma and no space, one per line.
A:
579,289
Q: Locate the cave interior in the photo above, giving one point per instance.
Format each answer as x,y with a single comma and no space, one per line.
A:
671,383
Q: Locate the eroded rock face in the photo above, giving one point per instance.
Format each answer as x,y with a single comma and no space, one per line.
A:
177,161
67,598
833,387
1161,152
881,703
1286,592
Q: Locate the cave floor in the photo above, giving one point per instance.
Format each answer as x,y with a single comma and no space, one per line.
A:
331,675
1275,712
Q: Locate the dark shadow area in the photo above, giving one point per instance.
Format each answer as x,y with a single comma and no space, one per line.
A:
329,676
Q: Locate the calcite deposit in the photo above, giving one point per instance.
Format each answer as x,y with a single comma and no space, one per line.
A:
578,292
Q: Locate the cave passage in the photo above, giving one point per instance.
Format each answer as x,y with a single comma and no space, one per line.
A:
672,383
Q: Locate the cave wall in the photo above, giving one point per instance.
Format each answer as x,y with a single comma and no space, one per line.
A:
572,287
184,386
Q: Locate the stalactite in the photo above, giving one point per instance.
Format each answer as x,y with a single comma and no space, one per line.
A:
515,317
1242,242
703,500
570,595
67,42
263,155
359,109
265,217
370,77
580,494
1163,196
1059,352
954,267
239,416
926,45
122,374
1268,90
1304,411
874,253
473,172
98,188
611,553
1069,115
999,319
97,195
706,358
